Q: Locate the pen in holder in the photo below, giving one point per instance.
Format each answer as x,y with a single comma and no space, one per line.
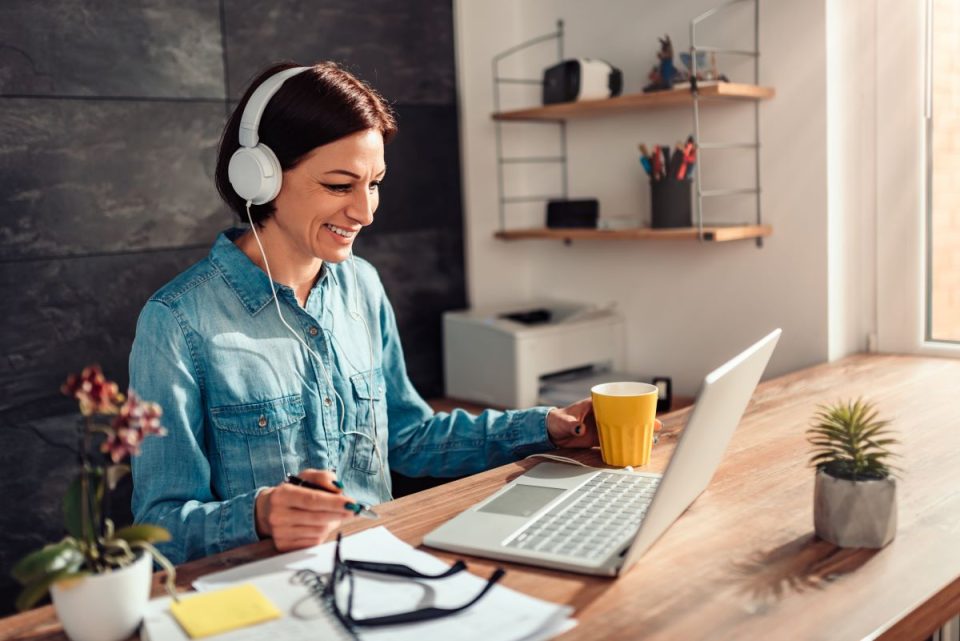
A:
670,171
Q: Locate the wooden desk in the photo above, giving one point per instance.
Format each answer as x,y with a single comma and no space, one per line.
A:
743,562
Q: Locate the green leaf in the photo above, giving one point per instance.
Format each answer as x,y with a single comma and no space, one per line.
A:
73,507
148,533
71,510
825,456
832,433
38,589
850,437
50,559
876,430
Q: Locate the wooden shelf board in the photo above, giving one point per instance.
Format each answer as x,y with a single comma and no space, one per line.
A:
724,91
710,233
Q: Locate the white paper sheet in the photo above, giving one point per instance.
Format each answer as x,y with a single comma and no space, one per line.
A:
501,615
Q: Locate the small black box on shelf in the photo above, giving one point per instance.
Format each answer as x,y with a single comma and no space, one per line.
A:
573,213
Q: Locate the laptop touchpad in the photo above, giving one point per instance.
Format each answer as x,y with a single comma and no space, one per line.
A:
522,500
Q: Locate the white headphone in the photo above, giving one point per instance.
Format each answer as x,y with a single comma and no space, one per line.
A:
254,170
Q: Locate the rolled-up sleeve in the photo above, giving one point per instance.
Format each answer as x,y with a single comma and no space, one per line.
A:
424,443
171,476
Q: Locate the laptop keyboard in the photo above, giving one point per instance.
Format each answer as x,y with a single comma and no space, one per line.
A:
593,520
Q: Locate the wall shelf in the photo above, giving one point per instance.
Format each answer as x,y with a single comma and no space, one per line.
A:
692,95
719,233
723,91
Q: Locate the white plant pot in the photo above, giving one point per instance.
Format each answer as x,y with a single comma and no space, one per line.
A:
855,514
104,607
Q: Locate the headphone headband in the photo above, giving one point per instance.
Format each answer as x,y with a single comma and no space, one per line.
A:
250,121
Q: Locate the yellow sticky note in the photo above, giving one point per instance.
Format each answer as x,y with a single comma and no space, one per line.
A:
223,610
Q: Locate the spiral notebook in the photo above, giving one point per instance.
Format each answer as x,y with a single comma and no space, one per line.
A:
305,618
502,615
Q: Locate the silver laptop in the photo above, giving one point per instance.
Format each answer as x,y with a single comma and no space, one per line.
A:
597,521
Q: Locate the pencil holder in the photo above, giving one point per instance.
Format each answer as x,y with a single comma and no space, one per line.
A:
670,203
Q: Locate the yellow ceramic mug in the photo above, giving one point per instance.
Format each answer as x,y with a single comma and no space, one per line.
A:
625,413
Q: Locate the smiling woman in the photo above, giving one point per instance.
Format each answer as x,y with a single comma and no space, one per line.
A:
278,354
326,200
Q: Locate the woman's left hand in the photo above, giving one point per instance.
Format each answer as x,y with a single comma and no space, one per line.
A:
575,425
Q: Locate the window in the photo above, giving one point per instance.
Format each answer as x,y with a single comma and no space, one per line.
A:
918,177
943,173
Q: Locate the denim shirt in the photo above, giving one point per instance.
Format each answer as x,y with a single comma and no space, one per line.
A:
245,403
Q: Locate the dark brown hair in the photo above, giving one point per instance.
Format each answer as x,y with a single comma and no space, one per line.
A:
309,110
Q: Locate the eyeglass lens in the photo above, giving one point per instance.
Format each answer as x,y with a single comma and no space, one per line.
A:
342,587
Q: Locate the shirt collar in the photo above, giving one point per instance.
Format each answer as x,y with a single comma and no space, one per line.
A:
248,281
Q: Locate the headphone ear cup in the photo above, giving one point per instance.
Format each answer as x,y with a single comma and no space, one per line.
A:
255,174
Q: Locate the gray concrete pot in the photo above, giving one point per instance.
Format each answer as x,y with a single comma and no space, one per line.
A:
855,514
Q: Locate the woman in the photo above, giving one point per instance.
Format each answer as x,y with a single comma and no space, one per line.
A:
299,372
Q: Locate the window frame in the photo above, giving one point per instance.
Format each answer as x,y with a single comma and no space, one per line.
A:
903,180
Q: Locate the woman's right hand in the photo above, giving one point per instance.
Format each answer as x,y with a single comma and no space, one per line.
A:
299,517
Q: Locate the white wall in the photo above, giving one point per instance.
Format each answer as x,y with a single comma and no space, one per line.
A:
901,193
688,306
851,173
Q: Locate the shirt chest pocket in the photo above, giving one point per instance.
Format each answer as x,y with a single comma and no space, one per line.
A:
369,396
259,443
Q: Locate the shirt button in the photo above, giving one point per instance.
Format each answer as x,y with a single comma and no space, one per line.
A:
262,422
380,389
327,401
314,331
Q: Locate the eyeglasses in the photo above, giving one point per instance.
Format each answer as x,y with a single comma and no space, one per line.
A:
338,590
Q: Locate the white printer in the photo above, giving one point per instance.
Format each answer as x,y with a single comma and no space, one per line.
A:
497,356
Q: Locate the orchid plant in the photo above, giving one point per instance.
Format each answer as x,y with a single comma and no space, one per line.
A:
93,545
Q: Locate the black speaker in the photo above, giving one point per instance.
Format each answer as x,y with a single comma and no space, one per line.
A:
573,213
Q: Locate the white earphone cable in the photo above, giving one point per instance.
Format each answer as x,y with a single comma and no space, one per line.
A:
355,314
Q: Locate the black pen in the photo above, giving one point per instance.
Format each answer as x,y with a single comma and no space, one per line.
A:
357,508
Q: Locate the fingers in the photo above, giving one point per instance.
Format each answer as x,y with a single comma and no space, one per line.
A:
589,421
294,518
580,409
323,478
574,416
305,499
657,425
294,515
297,517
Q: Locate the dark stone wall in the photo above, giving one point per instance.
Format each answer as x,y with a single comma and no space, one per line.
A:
110,114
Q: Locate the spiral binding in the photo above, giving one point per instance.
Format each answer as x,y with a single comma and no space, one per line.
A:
317,585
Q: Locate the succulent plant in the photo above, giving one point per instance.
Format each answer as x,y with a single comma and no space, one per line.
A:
850,442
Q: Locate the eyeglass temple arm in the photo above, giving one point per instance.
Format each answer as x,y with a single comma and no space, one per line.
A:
426,614
402,570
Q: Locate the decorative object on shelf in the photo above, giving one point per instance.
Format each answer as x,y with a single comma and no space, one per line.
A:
664,74
706,75
581,79
97,568
855,497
